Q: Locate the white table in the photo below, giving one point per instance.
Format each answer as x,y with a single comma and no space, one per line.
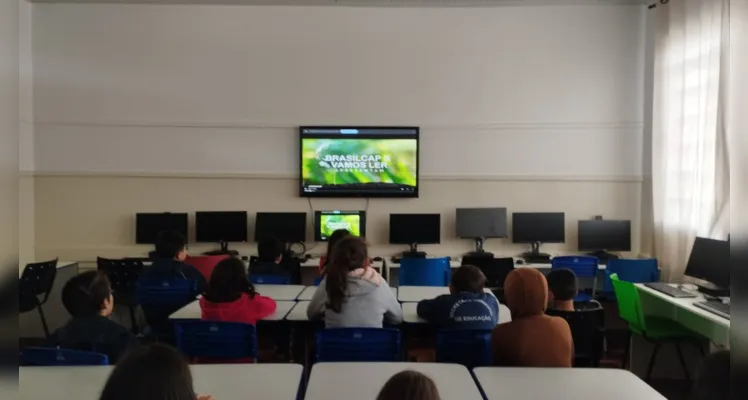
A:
562,384
192,311
713,326
365,380
224,382
307,293
280,292
418,293
410,315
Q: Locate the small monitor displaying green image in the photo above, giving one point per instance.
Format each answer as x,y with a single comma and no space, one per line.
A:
327,222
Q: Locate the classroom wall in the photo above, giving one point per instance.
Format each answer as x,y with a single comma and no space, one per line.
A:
187,107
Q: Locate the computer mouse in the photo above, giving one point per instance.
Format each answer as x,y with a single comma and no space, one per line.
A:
378,259
519,261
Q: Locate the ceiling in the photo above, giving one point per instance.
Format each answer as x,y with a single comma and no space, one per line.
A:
374,3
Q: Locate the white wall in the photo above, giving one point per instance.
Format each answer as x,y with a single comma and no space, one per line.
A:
514,103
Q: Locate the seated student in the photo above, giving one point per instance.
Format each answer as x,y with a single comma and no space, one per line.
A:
467,306
409,385
562,289
272,259
172,251
331,242
88,298
352,293
153,372
231,297
531,339
713,377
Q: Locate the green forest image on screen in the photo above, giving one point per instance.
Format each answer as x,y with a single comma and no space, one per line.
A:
346,161
331,223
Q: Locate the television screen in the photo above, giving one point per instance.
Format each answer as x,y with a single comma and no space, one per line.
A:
327,222
359,161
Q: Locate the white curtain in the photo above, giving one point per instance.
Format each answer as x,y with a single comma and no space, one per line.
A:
690,174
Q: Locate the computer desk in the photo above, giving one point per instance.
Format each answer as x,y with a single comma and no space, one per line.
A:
712,326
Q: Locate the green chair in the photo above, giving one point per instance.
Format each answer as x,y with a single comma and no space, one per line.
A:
656,330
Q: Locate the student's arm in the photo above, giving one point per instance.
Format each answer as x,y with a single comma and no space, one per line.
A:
429,309
316,308
393,313
192,273
494,304
263,306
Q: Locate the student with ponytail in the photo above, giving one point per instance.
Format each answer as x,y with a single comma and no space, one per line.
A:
353,294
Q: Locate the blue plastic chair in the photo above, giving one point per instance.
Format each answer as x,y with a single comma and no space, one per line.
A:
216,341
630,270
424,272
41,356
583,267
318,280
468,347
160,298
261,279
358,344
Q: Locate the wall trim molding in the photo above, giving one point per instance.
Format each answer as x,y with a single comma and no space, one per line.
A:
488,126
293,176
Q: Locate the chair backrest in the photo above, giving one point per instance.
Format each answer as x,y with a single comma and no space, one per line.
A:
424,272
358,344
216,341
583,266
587,331
468,347
259,279
38,278
41,356
495,269
122,273
631,270
205,264
159,298
629,304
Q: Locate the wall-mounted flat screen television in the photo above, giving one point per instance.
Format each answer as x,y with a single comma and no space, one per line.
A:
354,161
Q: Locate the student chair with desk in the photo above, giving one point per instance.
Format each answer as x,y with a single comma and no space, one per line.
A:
216,342
41,356
263,279
587,331
583,267
424,272
656,330
358,344
36,280
123,275
468,347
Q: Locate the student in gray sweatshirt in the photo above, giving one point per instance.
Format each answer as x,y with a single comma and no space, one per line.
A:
352,293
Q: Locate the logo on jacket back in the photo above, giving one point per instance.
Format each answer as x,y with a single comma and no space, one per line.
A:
470,310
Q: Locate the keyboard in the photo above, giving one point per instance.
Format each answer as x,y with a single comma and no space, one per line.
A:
670,290
715,307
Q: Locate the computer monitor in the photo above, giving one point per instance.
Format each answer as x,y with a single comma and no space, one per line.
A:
600,236
327,222
149,225
537,228
481,224
710,261
289,227
415,229
220,227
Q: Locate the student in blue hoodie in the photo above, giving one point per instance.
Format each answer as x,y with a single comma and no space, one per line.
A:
171,248
466,306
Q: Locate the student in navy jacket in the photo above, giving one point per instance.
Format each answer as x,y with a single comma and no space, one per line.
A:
171,248
466,306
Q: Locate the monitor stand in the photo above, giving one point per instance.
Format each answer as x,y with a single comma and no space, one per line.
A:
413,252
224,251
479,252
603,255
534,256
713,290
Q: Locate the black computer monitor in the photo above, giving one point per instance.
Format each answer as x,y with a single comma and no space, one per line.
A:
149,225
289,227
220,226
415,229
537,228
710,261
327,222
600,236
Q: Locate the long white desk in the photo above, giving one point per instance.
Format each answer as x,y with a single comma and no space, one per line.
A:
309,292
365,380
418,293
712,326
562,384
192,311
280,292
224,382
410,314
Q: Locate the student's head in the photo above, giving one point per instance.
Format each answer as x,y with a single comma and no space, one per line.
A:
151,372
713,377
467,278
562,285
334,239
349,253
228,281
526,292
88,294
409,385
172,245
270,249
